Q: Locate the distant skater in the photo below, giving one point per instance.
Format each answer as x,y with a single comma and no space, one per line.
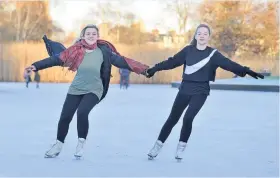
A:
124,78
27,77
37,79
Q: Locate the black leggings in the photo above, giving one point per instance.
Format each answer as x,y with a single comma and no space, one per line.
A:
195,103
84,104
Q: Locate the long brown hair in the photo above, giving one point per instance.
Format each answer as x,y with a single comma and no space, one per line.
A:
194,42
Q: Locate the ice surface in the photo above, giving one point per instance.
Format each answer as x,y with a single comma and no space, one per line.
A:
235,134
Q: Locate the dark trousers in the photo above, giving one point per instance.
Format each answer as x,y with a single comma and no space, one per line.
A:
195,103
84,104
27,81
124,81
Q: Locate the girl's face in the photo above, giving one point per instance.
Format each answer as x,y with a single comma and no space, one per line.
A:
91,36
202,36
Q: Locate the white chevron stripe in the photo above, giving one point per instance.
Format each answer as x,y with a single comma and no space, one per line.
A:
195,67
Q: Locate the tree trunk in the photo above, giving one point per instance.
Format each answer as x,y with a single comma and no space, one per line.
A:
33,27
18,20
26,23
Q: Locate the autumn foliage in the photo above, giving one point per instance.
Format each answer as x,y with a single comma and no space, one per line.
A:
245,31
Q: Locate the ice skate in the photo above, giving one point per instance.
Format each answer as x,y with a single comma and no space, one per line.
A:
155,150
80,148
54,150
180,150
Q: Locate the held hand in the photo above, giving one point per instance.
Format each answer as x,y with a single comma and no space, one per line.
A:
144,72
30,68
254,74
150,72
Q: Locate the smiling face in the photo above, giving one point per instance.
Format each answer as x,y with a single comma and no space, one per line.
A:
90,35
202,36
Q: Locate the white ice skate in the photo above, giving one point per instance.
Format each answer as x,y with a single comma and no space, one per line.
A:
180,150
54,150
155,150
80,148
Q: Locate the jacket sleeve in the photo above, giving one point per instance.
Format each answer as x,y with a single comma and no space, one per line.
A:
48,62
229,65
127,63
173,62
119,61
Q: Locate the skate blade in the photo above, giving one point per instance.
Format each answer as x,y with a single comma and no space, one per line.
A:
78,157
51,156
150,157
178,159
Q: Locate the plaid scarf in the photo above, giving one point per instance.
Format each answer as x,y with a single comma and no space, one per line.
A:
74,55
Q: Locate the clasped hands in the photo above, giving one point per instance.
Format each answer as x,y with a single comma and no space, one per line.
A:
150,72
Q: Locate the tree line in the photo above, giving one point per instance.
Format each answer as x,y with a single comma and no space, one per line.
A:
245,26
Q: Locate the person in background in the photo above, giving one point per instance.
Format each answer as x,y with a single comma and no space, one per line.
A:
37,79
124,78
27,77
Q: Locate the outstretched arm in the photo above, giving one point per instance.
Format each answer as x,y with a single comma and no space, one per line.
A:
48,62
171,63
53,49
119,61
126,63
229,65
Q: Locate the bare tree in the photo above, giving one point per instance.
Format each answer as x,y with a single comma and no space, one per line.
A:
106,11
182,10
109,12
277,14
5,12
29,20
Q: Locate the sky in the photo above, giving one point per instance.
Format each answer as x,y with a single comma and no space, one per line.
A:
68,13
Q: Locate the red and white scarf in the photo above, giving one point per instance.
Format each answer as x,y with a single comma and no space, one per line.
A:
73,56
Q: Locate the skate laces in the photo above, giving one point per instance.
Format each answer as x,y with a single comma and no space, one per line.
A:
55,147
55,144
157,147
181,147
80,144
